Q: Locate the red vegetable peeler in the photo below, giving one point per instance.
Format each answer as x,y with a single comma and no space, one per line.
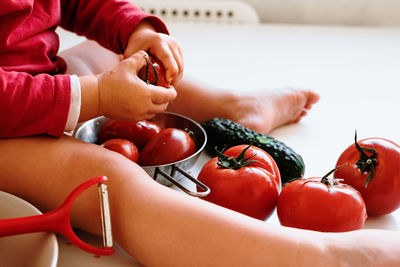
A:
58,220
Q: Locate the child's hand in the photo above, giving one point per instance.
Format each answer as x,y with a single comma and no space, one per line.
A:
162,46
124,96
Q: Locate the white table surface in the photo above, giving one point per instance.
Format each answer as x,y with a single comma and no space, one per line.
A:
355,70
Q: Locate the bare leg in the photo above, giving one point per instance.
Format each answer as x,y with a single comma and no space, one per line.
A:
89,58
149,218
146,216
262,111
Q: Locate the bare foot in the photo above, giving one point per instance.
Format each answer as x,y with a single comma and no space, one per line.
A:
266,110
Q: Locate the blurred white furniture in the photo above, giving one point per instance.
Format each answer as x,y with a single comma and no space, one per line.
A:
331,12
230,12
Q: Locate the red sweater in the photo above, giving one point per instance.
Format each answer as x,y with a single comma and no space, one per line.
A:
34,91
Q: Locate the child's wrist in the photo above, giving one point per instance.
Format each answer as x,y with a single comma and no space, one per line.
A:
143,25
136,35
89,97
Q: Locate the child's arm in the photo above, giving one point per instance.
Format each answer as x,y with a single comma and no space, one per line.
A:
120,94
110,23
31,105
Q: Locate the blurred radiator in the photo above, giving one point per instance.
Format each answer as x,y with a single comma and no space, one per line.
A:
200,11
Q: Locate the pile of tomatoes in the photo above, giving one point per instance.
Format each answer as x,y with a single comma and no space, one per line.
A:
366,183
146,143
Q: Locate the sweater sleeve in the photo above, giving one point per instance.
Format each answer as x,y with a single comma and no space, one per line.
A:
31,105
110,23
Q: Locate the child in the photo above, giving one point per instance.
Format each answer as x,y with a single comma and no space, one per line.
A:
156,225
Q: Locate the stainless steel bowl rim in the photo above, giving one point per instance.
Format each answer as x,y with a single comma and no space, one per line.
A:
199,150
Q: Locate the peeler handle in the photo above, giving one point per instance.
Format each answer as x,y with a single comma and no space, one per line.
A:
57,221
24,225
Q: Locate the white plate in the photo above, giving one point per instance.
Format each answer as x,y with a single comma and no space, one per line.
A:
36,249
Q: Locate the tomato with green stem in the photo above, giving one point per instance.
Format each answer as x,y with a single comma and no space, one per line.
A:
242,180
153,72
259,158
321,204
372,166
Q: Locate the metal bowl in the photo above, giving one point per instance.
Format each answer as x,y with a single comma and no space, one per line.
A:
166,174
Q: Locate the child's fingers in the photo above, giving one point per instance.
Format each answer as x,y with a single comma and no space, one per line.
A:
136,61
160,100
161,95
177,52
157,109
167,58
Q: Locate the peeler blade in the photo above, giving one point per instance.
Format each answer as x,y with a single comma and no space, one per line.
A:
105,215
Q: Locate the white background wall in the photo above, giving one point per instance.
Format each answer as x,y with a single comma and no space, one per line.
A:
350,12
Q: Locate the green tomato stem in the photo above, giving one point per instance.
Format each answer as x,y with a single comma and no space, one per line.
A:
366,163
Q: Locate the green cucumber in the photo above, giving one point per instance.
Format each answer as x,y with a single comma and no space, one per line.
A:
223,134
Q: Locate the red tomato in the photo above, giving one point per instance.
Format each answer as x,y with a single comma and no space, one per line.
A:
260,159
137,132
124,147
240,185
169,145
153,72
373,168
321,205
